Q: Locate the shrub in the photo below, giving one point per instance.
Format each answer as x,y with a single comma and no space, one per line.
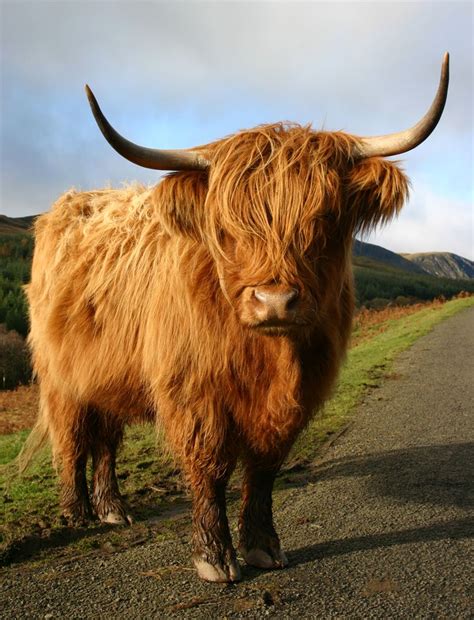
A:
15,368
377,303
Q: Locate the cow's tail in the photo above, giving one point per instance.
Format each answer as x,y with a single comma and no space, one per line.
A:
33,444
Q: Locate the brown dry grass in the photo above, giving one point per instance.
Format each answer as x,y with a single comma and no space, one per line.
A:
18,409
369,323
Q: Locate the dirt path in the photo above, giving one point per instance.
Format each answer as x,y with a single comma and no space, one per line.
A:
381,527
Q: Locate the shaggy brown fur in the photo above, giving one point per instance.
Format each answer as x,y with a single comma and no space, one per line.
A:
142,305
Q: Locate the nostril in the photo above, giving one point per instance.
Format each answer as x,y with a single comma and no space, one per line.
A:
291,297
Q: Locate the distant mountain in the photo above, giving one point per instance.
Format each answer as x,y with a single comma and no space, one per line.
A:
379,254
443,264
16,225
384,277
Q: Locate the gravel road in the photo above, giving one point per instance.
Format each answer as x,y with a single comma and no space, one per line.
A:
380,527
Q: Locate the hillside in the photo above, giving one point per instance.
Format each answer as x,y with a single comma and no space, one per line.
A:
443,264
382,255
16,225
379,283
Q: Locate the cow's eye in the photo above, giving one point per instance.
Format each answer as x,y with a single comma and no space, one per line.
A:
327,217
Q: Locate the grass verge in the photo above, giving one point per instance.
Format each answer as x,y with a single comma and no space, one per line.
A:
148,478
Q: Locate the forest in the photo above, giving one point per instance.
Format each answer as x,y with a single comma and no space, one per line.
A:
15,265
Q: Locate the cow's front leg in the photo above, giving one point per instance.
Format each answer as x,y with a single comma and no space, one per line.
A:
200,436
213,553
259,542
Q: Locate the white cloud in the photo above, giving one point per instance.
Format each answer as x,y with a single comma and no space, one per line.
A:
430,223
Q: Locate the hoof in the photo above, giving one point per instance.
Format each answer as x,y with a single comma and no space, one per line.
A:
112,510
116,518
217,573
261,559
77,516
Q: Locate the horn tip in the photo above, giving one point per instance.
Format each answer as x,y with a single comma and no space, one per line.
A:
445,68
89,93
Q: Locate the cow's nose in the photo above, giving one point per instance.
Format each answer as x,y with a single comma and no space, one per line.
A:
276,300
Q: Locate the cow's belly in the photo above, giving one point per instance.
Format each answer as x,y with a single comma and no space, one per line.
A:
121,400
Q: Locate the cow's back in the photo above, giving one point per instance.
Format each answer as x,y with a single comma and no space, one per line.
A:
92,269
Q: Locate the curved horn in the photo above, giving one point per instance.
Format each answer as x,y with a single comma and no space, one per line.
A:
142,156
396,143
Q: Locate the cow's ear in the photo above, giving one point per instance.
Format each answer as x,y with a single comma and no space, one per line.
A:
179,199
376,191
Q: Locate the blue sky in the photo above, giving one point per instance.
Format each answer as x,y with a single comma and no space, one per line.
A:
177,74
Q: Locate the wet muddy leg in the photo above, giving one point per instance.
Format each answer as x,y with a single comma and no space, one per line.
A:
213,553
107,501
259,543
68,428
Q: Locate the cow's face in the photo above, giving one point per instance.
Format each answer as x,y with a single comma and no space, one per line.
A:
277,212
279,287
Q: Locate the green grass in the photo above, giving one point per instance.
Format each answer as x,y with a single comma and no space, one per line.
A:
147,475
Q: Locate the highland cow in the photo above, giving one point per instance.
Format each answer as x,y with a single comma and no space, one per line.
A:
219,301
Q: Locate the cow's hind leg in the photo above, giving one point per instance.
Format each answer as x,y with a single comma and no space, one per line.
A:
69,434
107,501
259,542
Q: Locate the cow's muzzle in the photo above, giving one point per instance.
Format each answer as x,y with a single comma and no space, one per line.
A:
275,303
272,307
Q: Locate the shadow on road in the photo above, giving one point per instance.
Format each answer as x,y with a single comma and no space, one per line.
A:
442,474
454,530
438,475
34,545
